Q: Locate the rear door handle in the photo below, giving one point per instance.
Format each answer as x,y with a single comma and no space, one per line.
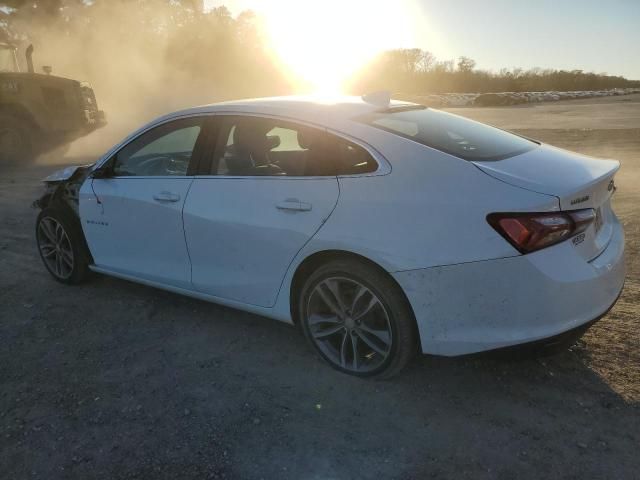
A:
293,204
166,197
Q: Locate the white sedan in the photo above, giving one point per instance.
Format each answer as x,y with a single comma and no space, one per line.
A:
380,228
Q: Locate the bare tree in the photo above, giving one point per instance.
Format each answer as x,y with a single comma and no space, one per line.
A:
427,59
466,64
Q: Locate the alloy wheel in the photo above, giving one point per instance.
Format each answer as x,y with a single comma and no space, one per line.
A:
349,324
55,247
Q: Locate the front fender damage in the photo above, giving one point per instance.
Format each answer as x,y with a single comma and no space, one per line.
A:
62,188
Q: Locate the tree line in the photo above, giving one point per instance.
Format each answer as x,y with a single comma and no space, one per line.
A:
180,43
418,71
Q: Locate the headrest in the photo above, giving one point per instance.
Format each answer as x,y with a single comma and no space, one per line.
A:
307,140
246,137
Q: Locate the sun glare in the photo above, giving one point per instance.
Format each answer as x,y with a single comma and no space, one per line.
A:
323,43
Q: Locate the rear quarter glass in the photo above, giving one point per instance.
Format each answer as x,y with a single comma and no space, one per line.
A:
450,133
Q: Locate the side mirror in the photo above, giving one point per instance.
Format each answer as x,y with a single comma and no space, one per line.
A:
105,171
102,172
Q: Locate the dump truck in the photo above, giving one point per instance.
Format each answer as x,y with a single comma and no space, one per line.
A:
40,112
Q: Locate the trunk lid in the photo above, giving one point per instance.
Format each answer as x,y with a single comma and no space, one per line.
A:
576,180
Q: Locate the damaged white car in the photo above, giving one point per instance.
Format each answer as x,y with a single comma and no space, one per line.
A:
380,228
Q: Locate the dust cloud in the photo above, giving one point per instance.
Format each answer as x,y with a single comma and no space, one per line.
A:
146,61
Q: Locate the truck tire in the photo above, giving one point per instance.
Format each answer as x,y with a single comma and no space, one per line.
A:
17,143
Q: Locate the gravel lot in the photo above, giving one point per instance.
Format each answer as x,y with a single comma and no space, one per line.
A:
116,380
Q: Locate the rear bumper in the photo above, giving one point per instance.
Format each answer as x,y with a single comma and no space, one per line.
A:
553,343
480,306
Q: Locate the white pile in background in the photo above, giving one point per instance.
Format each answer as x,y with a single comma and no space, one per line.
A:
508,98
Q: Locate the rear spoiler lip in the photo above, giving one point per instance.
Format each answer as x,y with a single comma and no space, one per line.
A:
561,198
497,170
590,186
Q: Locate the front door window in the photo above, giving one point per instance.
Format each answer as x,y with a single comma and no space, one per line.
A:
163,151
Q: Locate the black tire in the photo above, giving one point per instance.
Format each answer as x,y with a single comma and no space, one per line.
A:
69,273
17,143
392,305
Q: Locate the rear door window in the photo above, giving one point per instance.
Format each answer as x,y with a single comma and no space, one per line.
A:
256,146
451,134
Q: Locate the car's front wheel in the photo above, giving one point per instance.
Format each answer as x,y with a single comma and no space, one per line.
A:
60,246
357,319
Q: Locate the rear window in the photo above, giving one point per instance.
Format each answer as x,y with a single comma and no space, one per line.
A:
451,134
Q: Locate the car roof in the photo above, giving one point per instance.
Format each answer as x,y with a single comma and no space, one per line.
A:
322,110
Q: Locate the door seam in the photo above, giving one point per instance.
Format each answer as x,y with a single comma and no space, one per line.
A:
307,242
184,233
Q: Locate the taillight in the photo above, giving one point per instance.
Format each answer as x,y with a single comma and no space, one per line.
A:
529,232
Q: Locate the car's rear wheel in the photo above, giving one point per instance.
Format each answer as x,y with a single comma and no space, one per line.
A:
60,246
358,319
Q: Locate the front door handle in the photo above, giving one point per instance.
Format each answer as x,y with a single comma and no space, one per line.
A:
166,197
293,204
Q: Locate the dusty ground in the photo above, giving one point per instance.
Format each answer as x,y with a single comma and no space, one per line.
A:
116,380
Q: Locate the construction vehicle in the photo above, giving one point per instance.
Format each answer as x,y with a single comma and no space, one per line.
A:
40,112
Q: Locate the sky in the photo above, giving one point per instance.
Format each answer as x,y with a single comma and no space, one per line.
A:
598,36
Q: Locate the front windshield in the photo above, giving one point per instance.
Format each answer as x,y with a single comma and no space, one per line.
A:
7,59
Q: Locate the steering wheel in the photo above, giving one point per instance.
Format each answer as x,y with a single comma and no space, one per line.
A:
163,165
